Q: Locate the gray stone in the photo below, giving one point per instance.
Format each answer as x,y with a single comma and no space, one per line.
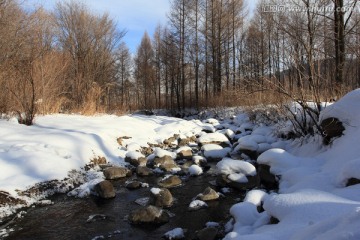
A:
149,215
332,128
136,162
105,189
168,167
207,233
163,199
133,185
143,171
170,182
185,154
209,194
163,160
116,173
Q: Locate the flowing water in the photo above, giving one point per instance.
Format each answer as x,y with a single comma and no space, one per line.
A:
67,217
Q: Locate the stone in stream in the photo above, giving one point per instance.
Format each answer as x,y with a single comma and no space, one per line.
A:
161,197
105,189
112,173
184,153
149,215
133,185
158,161
170,181
135,159
209,194
143,171
208,233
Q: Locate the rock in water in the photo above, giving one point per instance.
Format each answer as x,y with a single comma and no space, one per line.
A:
170,182
149,215
207,233
111,173
208,195
105,189
162,197
133,185
143,171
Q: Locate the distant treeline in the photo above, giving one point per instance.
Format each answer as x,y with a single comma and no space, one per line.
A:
211,53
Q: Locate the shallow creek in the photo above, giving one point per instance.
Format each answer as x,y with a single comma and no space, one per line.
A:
67,217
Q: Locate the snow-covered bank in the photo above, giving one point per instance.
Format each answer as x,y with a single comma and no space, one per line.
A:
314,201
56,144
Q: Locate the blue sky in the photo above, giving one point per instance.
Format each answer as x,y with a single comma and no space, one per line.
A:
136,16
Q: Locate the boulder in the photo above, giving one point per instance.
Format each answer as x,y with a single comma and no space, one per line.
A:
133,185
209,194
161,197
170,181
352,181
170,167
143,171
158,161
185,154
141,161
208,233
332,128
105,189
184,142
112,173
269,180
149,215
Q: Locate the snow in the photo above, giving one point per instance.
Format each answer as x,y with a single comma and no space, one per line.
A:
155,191
346,109
255,197
197,204
177,233
195,170
185,148
133,147
349,170
213,137
313,201
214,151
59,143
134,155
198,159
237,170
162,153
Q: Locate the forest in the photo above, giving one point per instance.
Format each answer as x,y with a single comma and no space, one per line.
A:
211,53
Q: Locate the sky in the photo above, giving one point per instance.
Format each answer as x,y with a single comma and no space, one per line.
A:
135,16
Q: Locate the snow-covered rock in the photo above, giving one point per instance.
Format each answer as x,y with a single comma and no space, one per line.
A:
214,138
195,170
197,204
214,151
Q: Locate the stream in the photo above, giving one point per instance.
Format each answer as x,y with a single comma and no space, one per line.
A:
67,217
